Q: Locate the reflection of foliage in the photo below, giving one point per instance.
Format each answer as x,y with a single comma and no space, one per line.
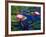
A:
14,9
15,25
13,18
